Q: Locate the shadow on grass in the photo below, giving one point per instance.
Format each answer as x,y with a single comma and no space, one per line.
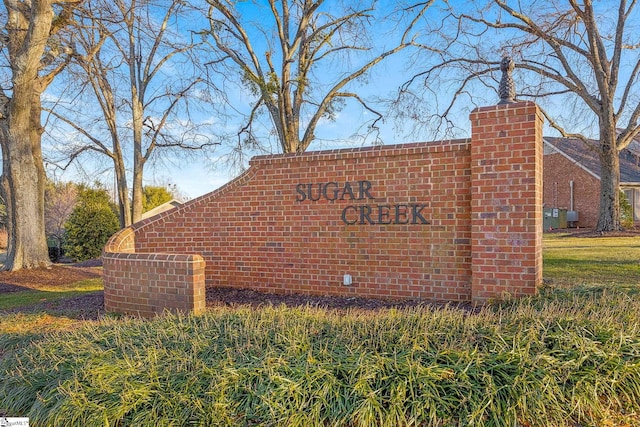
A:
6,288
20,326
72,304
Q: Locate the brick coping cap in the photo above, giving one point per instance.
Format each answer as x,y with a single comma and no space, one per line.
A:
373,150
498,107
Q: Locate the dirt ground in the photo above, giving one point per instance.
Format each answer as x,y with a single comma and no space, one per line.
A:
13,281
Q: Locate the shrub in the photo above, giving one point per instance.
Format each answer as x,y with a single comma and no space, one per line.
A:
90,225
155,196
626,211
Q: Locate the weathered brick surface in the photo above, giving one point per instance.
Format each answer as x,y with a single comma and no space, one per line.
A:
299,223
506,172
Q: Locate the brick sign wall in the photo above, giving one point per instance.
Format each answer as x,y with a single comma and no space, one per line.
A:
448,220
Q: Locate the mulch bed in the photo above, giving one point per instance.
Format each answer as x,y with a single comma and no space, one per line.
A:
14,281
91,306
217,296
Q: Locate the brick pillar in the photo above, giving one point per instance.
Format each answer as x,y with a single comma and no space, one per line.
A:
506,201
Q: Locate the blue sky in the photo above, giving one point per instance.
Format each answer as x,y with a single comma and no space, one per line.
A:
203,172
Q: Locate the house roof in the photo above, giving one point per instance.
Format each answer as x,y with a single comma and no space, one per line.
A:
587,158
162,208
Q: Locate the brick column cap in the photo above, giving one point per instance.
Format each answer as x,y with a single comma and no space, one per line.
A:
498,107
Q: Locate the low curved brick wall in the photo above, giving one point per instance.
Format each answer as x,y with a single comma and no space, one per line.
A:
445,220
147,284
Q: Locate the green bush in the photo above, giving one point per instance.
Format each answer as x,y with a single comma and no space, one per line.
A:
155,196
626,211
90,225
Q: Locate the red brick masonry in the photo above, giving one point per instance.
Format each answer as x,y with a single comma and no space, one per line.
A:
448,220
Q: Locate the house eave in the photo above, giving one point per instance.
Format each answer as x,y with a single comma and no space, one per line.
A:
566,156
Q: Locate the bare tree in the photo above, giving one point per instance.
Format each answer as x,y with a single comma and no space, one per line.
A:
142,72
94,73
29,41
581,55
299,59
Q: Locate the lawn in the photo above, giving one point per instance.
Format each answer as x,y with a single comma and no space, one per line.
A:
48,293
603,261
567,357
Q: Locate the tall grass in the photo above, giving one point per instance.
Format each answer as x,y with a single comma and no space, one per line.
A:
549,361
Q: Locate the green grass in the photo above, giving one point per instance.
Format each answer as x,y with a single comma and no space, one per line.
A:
19,329
594,261
569,356
48,293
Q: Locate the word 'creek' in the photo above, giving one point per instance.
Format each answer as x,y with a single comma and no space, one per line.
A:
384,214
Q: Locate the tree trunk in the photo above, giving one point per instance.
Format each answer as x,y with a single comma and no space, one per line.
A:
123,190
138,193
609,213
138,157
23,181
27,29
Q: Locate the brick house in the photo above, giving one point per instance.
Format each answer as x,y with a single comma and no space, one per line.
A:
572,178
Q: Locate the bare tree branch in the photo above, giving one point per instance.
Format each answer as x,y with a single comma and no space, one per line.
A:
287,81
573,52
139,98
